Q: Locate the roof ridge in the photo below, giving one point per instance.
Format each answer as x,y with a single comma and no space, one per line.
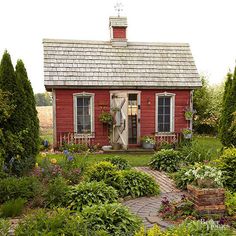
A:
68,41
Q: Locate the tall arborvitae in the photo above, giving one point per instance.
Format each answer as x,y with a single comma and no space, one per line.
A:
8,84
233,105
226,115
28,120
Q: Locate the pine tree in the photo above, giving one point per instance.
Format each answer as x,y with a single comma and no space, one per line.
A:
27,116
227,112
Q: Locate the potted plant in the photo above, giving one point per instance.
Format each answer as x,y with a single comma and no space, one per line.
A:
106,118
148,142
206,189
187,133
189,112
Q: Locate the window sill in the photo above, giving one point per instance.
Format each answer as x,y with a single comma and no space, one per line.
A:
165,134
84,136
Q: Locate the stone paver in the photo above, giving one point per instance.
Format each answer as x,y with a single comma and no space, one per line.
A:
147,207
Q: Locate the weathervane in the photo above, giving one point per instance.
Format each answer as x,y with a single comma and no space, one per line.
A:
118,8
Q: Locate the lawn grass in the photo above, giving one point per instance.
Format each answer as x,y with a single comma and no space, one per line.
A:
210,143
134,159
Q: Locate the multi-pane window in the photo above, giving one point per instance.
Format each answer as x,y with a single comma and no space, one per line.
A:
83,114
164,113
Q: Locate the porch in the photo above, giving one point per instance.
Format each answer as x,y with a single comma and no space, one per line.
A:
89,139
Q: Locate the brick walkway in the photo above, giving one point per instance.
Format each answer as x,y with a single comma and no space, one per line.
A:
147,207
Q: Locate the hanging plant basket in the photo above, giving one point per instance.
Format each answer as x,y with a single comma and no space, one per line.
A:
187,136
188,115
106,118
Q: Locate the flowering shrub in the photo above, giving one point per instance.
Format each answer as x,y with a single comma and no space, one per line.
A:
205,176
176,210
148,139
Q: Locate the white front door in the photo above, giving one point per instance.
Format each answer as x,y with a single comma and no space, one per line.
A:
119,106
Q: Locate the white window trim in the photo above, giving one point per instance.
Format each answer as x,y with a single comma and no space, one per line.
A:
83,94
172,111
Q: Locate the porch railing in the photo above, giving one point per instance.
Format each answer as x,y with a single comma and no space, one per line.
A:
174,138
72,137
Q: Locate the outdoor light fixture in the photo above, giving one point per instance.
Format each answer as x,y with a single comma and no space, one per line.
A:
148,101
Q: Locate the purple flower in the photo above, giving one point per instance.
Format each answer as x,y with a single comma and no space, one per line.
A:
42,169
11,160
66,152
70,158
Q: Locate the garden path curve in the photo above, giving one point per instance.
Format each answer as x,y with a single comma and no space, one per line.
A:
147,207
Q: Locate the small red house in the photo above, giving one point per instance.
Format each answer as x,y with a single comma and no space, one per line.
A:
149,85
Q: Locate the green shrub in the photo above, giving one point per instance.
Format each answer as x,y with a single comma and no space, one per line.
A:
166,160
181,180
99,171
121,163
194,152
196,228
12,208
4,227
13,188
113,218
89,193
136,184
55,195
58,222
230,203
227,163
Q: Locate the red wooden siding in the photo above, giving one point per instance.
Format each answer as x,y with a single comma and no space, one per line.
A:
148,110
65,112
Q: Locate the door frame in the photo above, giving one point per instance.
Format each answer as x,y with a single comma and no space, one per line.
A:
139,110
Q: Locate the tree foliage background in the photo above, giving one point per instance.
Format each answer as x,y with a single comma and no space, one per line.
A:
207,101
43,99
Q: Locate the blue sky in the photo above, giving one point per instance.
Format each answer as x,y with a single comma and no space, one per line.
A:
206,24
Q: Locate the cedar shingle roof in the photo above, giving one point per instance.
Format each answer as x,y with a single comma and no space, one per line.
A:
86,64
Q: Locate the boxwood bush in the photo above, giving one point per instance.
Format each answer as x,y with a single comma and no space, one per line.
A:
13,188
121,163
166,160
114,218
89,193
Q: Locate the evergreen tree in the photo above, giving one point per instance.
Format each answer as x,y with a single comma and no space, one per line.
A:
27,116
227,111
8,84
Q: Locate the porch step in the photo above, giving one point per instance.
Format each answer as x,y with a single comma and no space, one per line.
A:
131,150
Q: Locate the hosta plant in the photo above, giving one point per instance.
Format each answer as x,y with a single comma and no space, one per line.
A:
120,163
166,160
114,218
90,193
137,184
